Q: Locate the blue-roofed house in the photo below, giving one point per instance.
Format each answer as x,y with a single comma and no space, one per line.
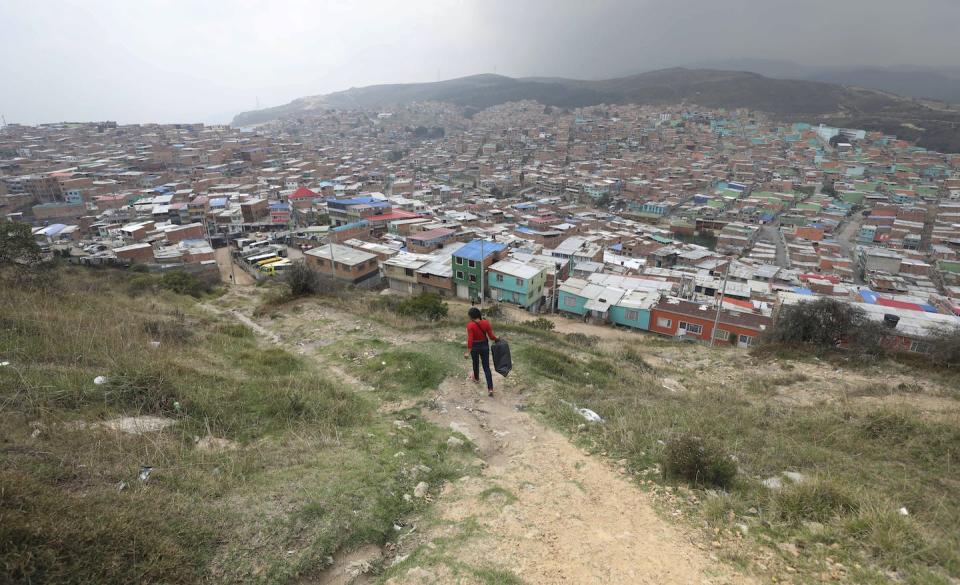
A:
470,263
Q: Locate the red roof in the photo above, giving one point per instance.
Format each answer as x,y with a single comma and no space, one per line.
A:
898,304
303,193
738,303
829,277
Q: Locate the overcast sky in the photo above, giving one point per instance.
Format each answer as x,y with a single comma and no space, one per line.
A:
206,60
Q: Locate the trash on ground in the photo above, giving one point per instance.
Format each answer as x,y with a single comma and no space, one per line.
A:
100,380
145,473
589,415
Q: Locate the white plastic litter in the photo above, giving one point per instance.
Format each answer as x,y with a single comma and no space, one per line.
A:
145,473
589,415
154,344
100,380
904,512
4,364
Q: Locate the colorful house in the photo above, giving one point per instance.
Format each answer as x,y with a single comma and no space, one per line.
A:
690,320
470,263
515,282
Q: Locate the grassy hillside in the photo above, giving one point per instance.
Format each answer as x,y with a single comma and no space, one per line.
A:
866,440
270,465
267,468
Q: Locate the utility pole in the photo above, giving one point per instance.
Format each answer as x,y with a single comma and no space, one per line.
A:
481,273
723,290
556,276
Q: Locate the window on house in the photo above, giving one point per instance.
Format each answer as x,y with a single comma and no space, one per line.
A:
919,346
746,340
721,335
460,274
661,322
460,261
519,282
633,316
408,271
499,277
473,278
569,301
694,328
471,263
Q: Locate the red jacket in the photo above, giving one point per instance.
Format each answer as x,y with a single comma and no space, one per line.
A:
478,331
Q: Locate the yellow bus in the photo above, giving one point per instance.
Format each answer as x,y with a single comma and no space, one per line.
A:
275,267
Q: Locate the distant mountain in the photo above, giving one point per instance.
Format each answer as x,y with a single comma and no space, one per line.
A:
936,83
791,99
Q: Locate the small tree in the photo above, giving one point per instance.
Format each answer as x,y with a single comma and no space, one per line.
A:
17,246
824,322
302,279
945,347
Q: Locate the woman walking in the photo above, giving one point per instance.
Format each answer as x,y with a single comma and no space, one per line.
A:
479,334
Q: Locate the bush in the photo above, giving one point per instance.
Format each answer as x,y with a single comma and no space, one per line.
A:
582,339
827,324
302,279
139,284
945,348
541,323
185,283
889,426
817,501
698,462
176,332
426,306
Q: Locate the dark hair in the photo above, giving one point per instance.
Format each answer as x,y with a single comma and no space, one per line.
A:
474,313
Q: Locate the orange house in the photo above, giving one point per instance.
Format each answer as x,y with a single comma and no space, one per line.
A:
682,318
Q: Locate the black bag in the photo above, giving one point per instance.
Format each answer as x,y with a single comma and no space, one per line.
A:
501,357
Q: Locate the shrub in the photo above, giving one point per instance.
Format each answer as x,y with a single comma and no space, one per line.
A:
582,339
541,323
168,331
184,283
698,462
889,426
139,284
826,324
816,501
141,390
302,279
945,348
427,306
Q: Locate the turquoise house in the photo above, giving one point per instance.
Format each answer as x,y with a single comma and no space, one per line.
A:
633,310
515,282
571,298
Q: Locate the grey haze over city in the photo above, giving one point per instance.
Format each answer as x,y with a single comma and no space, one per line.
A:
178,61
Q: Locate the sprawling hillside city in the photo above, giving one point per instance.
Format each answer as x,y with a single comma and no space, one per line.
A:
675,220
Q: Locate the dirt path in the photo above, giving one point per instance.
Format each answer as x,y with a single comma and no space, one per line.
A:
548,512
222,255
542,509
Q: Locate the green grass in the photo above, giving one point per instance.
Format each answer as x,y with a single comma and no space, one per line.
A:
313,467
498,494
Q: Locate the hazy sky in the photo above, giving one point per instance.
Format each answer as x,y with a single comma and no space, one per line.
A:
206,60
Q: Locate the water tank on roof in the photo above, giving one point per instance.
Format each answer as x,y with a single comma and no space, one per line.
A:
891,320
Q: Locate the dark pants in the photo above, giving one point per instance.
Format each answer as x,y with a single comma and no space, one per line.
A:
480,353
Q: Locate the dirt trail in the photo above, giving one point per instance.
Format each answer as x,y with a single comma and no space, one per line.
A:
550,513
546,511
